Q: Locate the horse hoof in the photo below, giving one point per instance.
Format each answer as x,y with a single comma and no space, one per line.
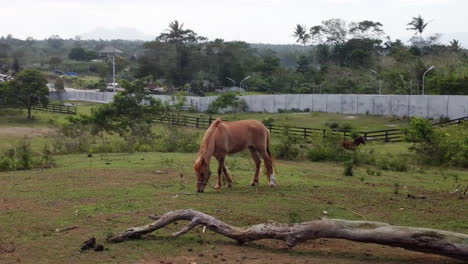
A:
253,184
230,185
272,184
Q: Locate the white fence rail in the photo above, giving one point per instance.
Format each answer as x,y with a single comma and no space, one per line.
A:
430,106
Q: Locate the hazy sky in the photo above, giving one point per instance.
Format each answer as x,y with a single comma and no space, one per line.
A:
255,21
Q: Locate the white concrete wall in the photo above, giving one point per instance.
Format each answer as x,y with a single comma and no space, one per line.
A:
431,106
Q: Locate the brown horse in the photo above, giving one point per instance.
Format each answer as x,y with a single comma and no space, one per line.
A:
224,138
352,145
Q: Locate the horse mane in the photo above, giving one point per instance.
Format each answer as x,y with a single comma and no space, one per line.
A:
205,141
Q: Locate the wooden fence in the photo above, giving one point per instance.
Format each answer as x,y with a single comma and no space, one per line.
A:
388,135
56,108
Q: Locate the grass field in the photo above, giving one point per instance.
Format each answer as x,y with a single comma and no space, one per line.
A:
108,193
320,120
14,125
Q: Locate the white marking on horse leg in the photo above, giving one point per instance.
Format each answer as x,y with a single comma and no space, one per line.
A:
272,180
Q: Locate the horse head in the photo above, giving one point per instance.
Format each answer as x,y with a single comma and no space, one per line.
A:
203,173
360,140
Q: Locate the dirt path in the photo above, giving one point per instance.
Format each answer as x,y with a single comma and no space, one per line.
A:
25,131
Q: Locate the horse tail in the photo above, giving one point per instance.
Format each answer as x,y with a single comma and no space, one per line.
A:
271,178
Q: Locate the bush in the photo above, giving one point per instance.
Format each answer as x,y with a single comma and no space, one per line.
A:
348,167
399,163
72,138
175,139
329,149
332,124
287,148
268,121
228,102
22,157
442,146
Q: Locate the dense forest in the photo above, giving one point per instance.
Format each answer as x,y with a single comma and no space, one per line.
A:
333,57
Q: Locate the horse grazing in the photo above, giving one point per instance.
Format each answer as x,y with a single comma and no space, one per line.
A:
352,145
224,138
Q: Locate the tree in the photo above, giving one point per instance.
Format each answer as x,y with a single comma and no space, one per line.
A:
332,31
15,67
77,53
59,85
28,88
131,112
54,62
301,34
455,45
177,34
366,30
55,41
418,24
227,100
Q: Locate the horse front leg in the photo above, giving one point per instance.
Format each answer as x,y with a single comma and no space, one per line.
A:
226,174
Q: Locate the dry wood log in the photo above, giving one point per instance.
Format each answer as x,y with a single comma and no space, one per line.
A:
427,240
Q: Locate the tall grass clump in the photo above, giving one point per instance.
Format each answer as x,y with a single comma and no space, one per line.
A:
287,147
176,139
22,157
328,148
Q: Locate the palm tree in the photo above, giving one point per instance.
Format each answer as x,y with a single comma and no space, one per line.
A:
301,34
177,34
455,45
418,24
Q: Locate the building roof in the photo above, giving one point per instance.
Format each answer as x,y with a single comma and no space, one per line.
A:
110,50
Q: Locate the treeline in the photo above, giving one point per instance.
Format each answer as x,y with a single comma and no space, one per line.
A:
334,57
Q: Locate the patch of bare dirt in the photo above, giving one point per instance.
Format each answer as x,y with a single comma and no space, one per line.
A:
25,131
319,251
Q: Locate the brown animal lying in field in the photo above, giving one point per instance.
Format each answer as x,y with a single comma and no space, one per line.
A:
352,145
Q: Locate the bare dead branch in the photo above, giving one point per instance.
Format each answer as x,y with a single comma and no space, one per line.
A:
427,240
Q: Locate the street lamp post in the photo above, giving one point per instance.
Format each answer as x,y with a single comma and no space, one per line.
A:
380,80
424,76
240,85
232,81
110,50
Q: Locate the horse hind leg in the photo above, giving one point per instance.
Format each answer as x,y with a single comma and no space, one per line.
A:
269,168
257,161
220,171
226,174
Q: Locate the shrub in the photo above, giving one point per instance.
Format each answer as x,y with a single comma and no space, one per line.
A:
329,149
175,139
287,148
332,124
442,146
227,102
268,121
348,167
389,162
72,138
22,157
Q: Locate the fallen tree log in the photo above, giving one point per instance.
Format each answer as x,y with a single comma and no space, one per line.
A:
426,240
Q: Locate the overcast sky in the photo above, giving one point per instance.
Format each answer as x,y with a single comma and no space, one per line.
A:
254,21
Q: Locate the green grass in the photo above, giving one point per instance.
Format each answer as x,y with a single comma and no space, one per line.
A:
319,120
108,193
